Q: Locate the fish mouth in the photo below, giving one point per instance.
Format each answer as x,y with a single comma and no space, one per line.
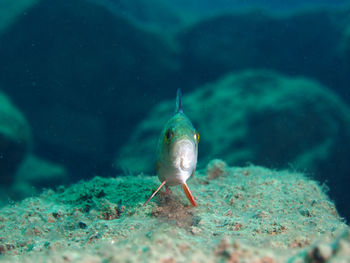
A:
184,154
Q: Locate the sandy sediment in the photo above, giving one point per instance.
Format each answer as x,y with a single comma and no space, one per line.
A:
249,214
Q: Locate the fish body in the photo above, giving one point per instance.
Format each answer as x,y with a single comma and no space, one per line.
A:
177,151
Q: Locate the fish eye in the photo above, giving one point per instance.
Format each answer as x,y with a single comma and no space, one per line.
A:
168,136
196,137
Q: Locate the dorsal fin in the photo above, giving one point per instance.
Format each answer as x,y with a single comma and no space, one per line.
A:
178,107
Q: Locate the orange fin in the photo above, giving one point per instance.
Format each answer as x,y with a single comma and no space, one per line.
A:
154,193
188,194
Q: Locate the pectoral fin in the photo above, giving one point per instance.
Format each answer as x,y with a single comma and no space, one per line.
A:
189,194
154,193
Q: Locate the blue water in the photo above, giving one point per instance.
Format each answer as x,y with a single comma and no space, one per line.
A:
85,73
207,6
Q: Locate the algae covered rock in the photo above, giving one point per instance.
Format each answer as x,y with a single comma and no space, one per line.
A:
15,139
254,116
260,117
35,174
147,13
40,172
22,173
252,214
11,10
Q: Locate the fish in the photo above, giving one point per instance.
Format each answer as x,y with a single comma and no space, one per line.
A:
177,152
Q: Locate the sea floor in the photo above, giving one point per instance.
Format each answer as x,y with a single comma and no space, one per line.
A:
249,214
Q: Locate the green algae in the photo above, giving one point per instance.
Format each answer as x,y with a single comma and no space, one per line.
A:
266,213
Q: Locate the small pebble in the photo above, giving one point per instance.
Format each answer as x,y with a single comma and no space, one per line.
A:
195,230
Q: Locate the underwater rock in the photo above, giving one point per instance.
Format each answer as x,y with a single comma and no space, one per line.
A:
260,117
81,80
302,43
10,10
15,139
152,14
248,214
35,174
22,173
